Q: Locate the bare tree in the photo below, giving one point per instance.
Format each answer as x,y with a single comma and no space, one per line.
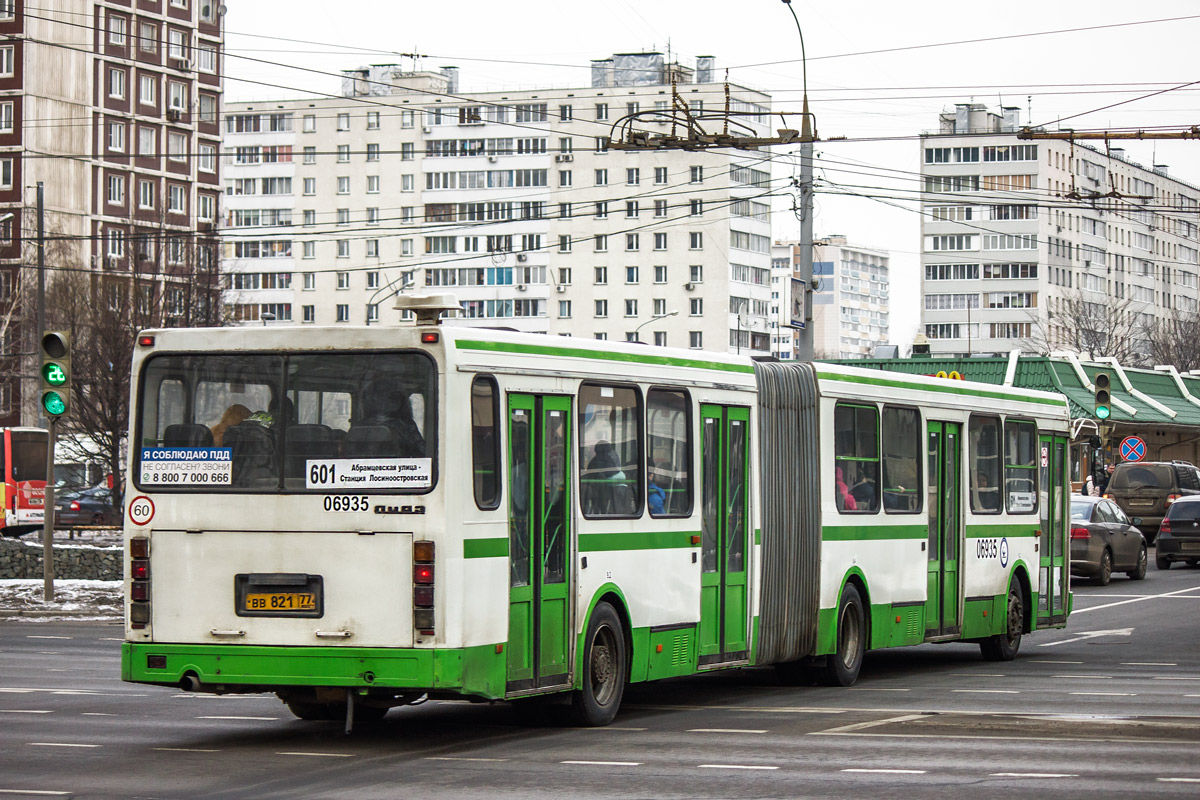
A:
104,311
1093,324
1175,340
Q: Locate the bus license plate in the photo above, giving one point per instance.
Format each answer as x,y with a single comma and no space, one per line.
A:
281,601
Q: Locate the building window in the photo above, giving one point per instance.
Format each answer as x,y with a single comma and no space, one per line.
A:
631,274
601,177
116,136
343,216
116,190
343,121
660,175
310,155
7,64
372,215
116,83
343,248
208,108
208,207
343,185
343,153
601,308
372,184
117,27
696,306
696,207
631,308
660,274
696,240
660,241
177,146
115,244
564,308
343,312
208,158
564,177
697,175
176,199
632,241
310,251
602,210
206,58
6,118
631,209
148,37
310,123
372,152
407,151
406,183
145,194
176,44
601,111
343,280
308,313
696,273
601,276
406,118
600,243
372,120
633,176
696,340
310,186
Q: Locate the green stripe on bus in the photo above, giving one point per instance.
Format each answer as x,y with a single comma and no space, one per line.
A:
485,548
600,355
1013,530
851,533
967,391
653,540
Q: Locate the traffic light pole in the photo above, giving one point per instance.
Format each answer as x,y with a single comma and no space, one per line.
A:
48,521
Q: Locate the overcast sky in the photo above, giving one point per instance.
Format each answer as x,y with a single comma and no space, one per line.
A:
875,69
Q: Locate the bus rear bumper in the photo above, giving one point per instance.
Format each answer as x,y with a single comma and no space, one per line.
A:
472,671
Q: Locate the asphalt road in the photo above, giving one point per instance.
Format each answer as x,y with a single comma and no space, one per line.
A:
1109,707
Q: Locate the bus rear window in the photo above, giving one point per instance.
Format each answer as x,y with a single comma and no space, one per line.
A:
316,422
28,455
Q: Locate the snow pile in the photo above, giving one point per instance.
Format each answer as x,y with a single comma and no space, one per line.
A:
73,599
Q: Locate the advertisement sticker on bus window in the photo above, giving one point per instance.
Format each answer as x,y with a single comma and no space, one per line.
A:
187,466
369,473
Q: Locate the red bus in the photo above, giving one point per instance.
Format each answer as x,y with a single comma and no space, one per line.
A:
23,471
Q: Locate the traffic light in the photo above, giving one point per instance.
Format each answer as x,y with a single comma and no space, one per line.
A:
56,373
1103,382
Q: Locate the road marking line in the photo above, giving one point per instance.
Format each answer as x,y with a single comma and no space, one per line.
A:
605,763
1192,695
1048,661
256,719
1148,664
34,636
889,771
38,792
1173,678
59,744
1134,600
1091,635
318,755
111,639
1178,780
461,758
980,674
723,730
1033,775
185,750
858,726
1104,694
732,766
875,689
614,728
1097,677
97,714
986,691
22,711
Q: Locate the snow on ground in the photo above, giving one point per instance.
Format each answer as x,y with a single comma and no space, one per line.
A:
73,599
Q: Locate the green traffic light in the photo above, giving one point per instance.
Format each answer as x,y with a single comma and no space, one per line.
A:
1102,412
54,404
53,374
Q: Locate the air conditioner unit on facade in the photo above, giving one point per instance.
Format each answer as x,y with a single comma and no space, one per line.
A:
689,286
560,289
427,130
521,287
559,159
568,157
491,159
522,257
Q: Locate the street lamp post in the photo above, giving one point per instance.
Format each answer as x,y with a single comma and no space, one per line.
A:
653,319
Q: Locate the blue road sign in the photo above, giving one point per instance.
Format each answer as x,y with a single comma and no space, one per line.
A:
1133,448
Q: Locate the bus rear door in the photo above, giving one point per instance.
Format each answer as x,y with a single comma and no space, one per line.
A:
942,599
539,448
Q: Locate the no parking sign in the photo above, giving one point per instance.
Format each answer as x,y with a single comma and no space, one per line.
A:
1133,448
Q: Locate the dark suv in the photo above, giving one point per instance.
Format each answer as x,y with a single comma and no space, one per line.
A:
1146,489
1179,535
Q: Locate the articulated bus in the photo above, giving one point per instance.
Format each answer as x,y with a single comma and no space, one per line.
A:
23,472
359,518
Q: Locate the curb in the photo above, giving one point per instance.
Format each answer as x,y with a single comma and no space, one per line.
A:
41,613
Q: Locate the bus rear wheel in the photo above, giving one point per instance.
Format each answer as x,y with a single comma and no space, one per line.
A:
843,665
605,665
1004,646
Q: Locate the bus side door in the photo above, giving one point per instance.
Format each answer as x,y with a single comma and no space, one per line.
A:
539,451
724,596
1054,584
945,531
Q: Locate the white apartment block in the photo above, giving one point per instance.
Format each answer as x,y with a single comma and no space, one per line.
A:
1013,231
850,297
513,201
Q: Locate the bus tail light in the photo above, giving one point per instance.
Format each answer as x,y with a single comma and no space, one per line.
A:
1080,533
423,588
139,582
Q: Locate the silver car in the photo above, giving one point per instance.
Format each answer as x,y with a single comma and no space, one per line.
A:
1103,540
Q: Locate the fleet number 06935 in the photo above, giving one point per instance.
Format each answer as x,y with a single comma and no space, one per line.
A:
347,502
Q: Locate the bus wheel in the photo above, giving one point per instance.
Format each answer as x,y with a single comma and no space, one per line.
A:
843,665
605,665
1004,646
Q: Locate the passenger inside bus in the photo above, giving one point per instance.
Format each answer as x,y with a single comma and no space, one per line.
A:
234,415
386,427
845,502
656,496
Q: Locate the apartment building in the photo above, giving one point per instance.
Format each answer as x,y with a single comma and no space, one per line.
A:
111,105
1026,242
514,201
850,297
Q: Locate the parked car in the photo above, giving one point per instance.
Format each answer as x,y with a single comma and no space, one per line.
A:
1179,534
1103,540
87,507
1146,489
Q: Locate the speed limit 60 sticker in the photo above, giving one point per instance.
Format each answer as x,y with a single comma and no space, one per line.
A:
141,510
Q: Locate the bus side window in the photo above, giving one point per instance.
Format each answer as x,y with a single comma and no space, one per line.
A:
610,451
668,432
984,464
1020,467
901,461
856,458
485,442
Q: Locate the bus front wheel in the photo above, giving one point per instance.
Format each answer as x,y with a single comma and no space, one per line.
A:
843,665
605,665
1004,646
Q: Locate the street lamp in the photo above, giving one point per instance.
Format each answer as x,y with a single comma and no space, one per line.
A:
267,316
653,319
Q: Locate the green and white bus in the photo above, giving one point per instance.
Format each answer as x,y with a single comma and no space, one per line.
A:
359,518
